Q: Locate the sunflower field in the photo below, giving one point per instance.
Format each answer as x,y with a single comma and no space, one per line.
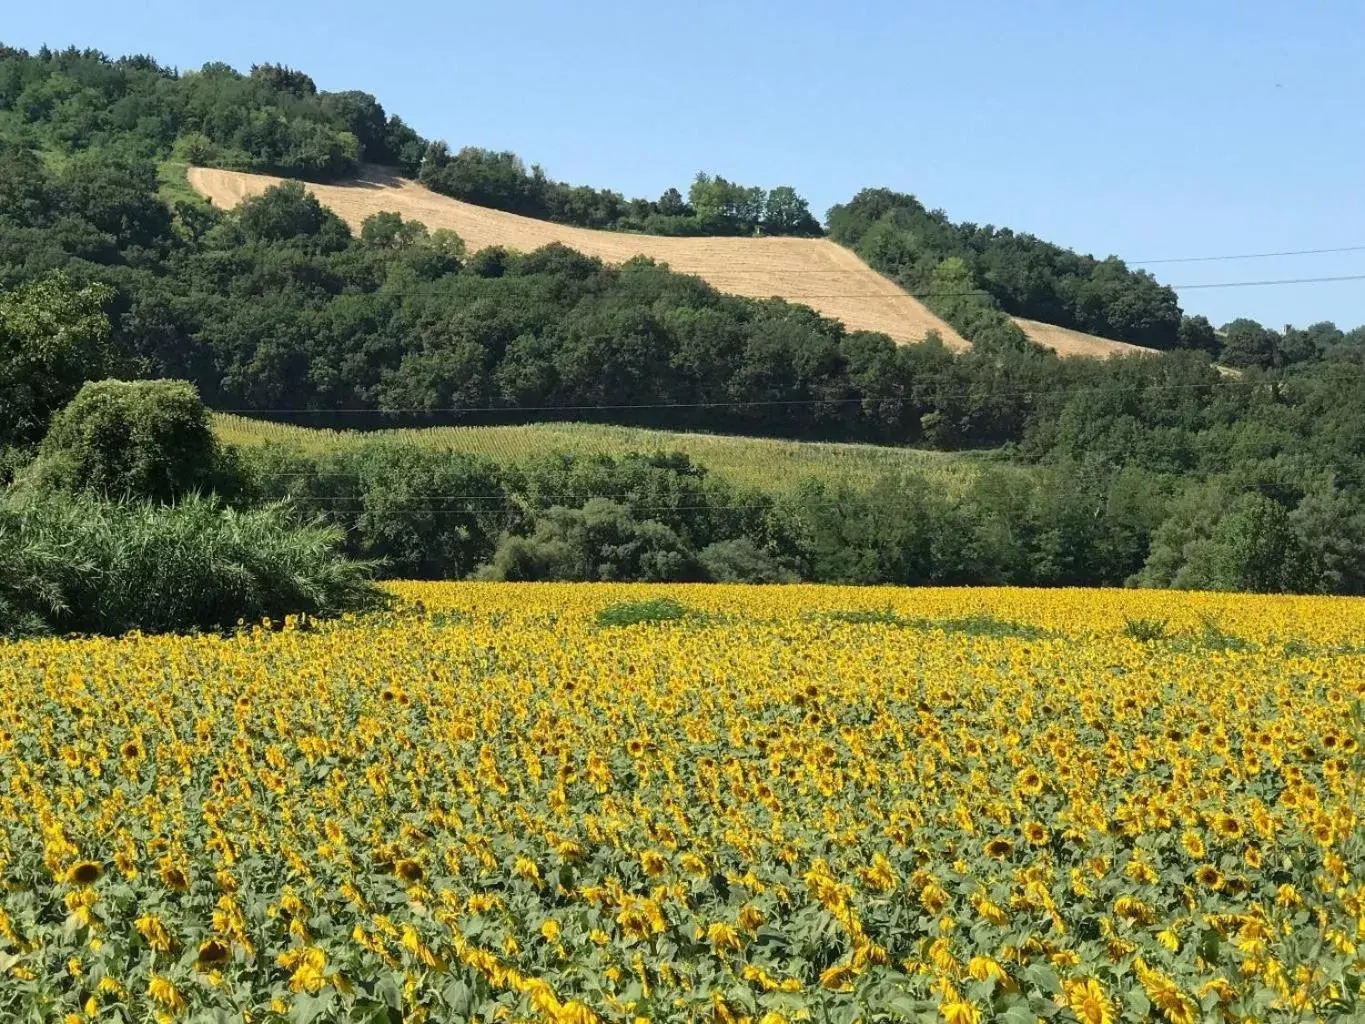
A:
731,805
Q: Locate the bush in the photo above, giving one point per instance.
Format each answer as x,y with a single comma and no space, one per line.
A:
131,439
630,613
742,561
600,541
76,564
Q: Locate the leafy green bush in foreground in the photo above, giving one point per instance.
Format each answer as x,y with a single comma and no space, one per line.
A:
75,564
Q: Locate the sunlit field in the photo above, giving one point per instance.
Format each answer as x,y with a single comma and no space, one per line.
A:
765,463
513,802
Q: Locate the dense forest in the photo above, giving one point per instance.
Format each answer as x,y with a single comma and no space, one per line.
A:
974,274
1160,470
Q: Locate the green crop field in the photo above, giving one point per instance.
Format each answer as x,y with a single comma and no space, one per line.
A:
772,465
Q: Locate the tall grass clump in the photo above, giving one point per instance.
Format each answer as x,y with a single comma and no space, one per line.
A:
74,563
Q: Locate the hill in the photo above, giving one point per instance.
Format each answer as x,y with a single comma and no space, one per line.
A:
813,271
767,464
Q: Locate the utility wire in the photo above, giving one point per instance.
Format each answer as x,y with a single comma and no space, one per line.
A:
1263,284
792,296
1246,256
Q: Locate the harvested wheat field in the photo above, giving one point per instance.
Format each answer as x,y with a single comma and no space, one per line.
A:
1066,342
813,271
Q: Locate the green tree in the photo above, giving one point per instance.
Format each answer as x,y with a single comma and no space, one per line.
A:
52,336
391,231
786,213
1247,343
288,212
1256,549
1196,332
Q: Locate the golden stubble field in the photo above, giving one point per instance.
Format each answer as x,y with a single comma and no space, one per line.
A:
770,805
813,271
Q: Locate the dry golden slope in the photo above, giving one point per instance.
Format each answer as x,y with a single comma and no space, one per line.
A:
813,271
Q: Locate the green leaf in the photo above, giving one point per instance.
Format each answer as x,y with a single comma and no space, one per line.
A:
1138,1001
307,1008
1043,978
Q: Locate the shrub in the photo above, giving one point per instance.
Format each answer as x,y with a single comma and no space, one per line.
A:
77,564
742,561
600,541
131,439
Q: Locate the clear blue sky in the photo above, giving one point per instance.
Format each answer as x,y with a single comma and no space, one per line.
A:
1150,130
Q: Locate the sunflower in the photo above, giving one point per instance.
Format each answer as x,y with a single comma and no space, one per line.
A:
838,978
1193,844
151,928
653,863
173,875
999,848
751,919
723,937
1228,826
84,872
408,870
570,851
1088,1001
1209,877
959,1012
163,991
213,953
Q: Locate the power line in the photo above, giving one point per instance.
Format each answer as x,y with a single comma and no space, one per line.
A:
1262,284
797,297
1246,256
896,292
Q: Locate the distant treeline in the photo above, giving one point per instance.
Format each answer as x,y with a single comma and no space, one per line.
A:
714,206
275,119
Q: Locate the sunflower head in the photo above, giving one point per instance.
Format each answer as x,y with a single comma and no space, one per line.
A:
84,872
212,953
999,848
1209,876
